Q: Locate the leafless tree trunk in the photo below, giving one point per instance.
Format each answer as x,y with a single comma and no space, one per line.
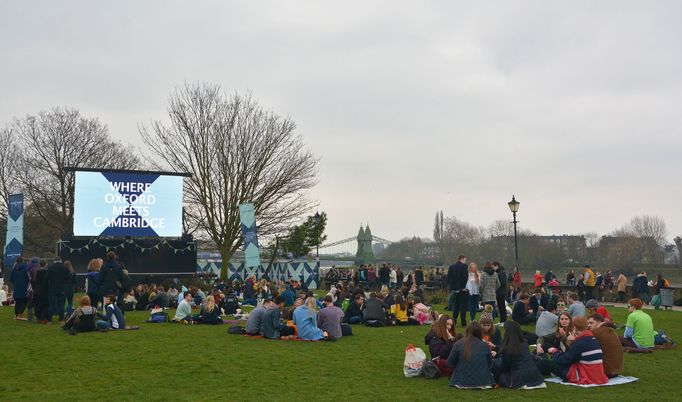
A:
237,152
54,140
9,180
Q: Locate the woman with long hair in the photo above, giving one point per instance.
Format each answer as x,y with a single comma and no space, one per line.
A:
560,339
441,337
471,360
92,281
305,319
472,286
399,310
514,367
210,313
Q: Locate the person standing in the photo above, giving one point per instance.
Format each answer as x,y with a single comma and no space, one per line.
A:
70,287
516,278
41,301
21,282
92,282
589,280
393,278
384,275
501,293
399,276
490,282
57,275
473,284
457,281
111,276
622,284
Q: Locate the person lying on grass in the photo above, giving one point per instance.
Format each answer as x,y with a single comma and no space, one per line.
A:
114,318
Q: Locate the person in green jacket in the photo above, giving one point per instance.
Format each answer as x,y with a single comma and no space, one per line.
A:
639,329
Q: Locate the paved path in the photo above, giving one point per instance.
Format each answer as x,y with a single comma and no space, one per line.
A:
645,307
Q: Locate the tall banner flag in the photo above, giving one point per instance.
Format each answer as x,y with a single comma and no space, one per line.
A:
247,217
14,243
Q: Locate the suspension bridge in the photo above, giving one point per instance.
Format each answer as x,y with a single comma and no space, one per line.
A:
363,242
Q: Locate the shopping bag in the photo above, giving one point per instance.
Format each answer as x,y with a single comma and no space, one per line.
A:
414,360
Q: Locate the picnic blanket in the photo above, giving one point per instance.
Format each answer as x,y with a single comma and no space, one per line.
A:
621,379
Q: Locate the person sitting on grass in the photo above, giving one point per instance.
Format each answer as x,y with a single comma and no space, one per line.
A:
441,337
113,318
271,326
521,312
558,340
399,310
83,319
593,307
489,332
538,300
514,367
329,318
546,324
639,328
610,345
183,314
210,313
374,311
576,308
253,323
354,310
582,363
305,319
471,360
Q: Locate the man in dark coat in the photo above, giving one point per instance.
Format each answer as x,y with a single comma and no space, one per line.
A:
501,291
57,275
109,275
458,274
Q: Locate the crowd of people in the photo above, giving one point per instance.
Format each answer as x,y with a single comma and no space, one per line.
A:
572,340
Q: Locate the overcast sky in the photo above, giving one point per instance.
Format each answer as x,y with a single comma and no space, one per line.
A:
412,107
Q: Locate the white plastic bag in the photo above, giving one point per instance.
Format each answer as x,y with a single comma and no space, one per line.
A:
414,360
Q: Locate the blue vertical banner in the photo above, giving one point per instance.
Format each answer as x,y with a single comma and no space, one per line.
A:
247,217
14,243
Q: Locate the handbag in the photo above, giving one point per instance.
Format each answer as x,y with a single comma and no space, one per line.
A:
430,370
414,360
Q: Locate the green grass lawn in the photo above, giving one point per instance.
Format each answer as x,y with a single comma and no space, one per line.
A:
175,362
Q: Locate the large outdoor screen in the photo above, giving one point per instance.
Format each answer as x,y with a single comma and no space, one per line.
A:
123,204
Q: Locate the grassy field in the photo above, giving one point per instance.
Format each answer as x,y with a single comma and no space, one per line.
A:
174,362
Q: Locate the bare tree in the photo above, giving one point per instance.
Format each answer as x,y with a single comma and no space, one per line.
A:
501,227
9,180
648,226
439,236
237,152
591,239
54,140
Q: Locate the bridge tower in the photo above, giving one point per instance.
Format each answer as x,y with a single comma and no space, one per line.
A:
365,254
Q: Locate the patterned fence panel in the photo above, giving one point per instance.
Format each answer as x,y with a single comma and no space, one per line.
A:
304,272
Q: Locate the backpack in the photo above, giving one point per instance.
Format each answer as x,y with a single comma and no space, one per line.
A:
160,317
231,305
346,329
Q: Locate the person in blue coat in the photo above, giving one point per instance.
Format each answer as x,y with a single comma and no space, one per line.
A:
305,319
20,282
471,360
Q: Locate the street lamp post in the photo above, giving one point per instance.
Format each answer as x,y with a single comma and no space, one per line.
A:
317,219
514,207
